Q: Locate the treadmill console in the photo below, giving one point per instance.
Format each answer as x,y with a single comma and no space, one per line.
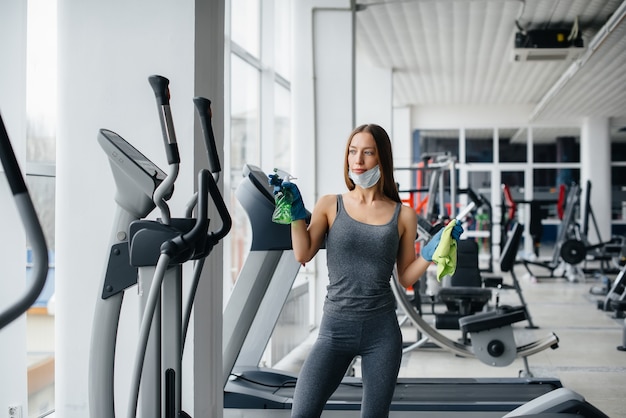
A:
260,181
257,198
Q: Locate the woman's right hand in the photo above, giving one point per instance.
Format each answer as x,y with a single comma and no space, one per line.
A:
298,210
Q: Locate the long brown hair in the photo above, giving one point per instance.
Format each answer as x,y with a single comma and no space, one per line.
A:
387,184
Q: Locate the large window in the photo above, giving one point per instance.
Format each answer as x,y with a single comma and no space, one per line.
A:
244,114
479,145
260,98
282,128
618,176
245,25
512,144
40,179
260,126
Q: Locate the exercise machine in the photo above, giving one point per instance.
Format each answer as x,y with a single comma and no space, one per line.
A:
436,199
559,266
573,248
150,254
32,228
616,296
607,253
470,292
495,325
252,312
537,212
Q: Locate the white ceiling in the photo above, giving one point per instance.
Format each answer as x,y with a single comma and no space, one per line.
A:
460,52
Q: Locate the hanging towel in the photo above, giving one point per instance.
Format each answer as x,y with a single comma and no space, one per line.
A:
445,253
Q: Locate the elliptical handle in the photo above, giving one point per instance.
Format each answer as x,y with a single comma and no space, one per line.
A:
218,200
9,162
32,228
183,243
203,107
160,86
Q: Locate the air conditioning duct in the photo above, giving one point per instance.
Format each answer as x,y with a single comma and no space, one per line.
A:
547,45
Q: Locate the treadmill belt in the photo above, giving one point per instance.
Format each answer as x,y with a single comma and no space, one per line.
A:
415,394
454,392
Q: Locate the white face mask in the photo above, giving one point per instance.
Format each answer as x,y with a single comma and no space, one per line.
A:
367,179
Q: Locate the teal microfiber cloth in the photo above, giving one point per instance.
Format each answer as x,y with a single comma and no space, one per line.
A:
445,253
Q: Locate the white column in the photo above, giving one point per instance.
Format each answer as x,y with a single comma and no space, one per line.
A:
595,162
401,138
203,376
374,94
107,51
323,111
13,362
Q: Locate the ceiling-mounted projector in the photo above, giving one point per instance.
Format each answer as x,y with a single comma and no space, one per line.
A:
547,45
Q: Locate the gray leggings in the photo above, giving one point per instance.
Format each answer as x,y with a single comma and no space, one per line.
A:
379,343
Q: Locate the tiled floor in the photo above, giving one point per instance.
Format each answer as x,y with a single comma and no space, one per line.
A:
587,360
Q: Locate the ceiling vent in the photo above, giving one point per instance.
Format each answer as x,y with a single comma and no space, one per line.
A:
542,45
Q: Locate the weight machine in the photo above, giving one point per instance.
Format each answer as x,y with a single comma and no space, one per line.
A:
572,246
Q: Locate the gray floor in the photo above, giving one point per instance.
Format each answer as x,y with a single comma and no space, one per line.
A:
587,360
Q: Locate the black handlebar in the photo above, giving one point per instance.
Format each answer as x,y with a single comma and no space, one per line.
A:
203,107
191,240
196,240
160,85
196,243
9,162
215,237
32,228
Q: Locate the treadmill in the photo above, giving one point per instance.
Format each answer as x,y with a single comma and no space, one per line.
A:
252,312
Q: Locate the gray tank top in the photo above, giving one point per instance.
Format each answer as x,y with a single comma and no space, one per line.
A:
360,259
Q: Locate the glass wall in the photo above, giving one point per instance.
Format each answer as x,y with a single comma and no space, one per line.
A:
618,178
512,145
532,161
40,179
260,135
479,145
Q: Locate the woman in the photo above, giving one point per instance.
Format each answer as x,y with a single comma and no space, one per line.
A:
367,230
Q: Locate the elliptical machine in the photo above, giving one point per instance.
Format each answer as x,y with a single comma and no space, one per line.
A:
32,227
151,254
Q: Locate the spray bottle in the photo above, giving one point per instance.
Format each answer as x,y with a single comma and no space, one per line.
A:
282,197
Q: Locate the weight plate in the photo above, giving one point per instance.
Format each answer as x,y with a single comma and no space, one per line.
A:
573,251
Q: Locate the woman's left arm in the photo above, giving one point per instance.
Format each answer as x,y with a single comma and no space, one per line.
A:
410,267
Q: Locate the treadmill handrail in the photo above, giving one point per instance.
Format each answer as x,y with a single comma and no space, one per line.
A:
32,228
438,338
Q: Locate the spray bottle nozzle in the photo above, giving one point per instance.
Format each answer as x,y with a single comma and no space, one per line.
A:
282,174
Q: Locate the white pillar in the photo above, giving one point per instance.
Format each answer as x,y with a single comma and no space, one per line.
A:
595,162
401,138
205,342
323,114
107,51
374,94
323,110
13,361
